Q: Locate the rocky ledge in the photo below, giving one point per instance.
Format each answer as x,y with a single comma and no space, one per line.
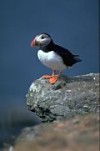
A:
67,98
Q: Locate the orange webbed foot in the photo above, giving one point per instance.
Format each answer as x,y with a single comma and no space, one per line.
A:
53,79
47,76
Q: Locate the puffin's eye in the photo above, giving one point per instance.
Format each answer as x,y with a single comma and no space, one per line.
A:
42,37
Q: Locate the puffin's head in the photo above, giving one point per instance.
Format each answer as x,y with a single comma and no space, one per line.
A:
41,40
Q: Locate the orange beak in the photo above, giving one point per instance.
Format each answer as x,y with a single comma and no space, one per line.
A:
33,43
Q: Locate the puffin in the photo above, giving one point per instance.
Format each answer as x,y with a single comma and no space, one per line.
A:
53,56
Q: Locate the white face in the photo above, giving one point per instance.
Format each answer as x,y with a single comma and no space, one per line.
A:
42,40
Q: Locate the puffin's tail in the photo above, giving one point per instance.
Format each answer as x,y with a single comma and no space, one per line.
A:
76,58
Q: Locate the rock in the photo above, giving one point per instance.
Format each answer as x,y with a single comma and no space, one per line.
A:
80,133
65,99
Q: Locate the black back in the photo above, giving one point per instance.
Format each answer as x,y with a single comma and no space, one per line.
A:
68,58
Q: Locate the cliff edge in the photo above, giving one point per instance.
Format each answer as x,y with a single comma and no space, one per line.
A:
65,99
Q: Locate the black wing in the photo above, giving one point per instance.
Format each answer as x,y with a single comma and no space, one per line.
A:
68,58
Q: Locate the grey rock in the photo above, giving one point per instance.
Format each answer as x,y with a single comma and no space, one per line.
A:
66,98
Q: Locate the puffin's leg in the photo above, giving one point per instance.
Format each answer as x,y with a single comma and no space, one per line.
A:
53,72
54,77
49,76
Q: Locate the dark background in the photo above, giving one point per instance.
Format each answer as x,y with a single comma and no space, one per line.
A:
73,24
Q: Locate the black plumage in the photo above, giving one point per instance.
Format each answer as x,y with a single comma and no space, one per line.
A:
68,58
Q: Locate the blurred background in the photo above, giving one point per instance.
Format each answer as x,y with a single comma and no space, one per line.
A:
73,24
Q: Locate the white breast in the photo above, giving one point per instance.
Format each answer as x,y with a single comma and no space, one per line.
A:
51,60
